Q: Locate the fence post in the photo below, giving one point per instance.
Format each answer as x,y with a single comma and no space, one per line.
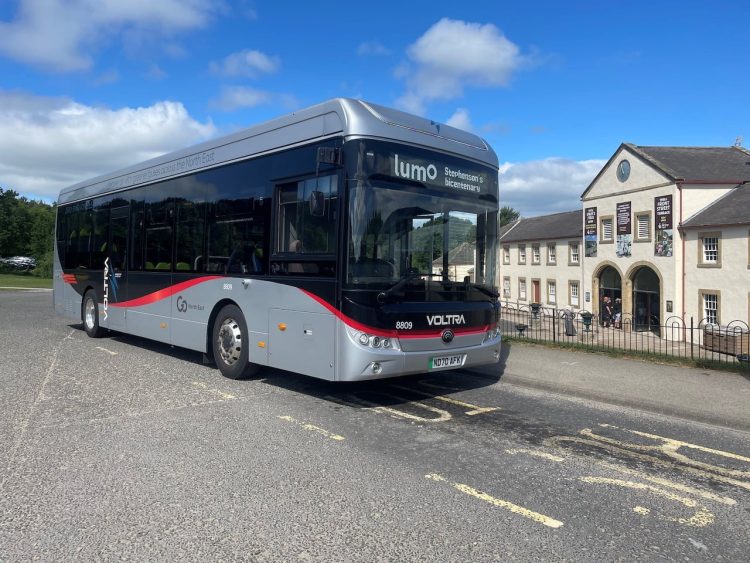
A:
692,353
554,321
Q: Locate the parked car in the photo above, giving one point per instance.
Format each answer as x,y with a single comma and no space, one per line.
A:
22,263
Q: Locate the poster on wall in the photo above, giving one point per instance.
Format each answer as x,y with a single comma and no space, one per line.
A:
590,232
624,229
663,214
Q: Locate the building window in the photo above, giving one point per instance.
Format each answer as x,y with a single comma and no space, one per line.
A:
522,289
710,307
551,253
606,229
643,226
574,290
506,254
574,256
535,255
709,250
506,287
522,254
551,292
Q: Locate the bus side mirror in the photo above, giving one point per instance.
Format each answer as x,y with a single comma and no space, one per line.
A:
317,204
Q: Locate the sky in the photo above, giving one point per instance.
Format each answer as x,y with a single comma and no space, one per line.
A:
91,86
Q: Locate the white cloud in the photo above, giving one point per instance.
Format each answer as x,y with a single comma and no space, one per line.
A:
63,35
49,143
546,186
453,54
460,119
247,63
372,48
237,97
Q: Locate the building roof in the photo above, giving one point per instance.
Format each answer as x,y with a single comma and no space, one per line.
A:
710,165
729,165
731,209
463,254
568,224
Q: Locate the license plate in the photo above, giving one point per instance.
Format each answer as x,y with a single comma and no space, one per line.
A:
445,362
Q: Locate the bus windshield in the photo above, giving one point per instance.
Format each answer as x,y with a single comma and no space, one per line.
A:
420,245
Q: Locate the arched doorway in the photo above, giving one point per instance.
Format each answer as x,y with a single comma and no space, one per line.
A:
610,285
646,300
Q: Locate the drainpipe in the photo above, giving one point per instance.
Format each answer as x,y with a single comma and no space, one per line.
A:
682,238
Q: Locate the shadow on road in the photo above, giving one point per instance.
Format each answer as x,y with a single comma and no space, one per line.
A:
379,392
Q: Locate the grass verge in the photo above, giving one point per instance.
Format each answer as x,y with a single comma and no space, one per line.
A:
25,281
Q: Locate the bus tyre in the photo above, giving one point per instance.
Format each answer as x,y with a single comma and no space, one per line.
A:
90,315
231,345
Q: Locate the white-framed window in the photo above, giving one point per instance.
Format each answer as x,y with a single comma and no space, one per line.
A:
522,289
643,226
551,292
522,254
711,307
506,254
709,250
536,256
551,253
575,253
575,292
506,287
606,229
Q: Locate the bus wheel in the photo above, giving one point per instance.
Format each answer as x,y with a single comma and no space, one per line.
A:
231,344
90,315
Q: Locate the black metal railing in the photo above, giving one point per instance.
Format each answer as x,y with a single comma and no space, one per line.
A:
698,341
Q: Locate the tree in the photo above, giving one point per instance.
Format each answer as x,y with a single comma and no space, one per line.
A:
27,229
508,215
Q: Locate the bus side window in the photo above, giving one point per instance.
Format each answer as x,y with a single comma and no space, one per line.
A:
190,229
158,240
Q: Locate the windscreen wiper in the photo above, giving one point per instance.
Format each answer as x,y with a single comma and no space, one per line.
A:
411,274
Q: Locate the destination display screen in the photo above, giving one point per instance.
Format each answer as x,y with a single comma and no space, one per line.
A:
429,168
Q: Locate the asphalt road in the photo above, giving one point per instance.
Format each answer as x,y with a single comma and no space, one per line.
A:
119,448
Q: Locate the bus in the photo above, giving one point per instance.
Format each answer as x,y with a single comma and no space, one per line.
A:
346,241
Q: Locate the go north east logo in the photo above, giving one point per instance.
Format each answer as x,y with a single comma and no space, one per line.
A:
183,306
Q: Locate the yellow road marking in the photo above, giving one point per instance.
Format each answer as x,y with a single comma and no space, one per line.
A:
642,510
520,510
474,409
700,519
443,415
222,394
313,428
535,453
671,484
616,447
110,352
670,446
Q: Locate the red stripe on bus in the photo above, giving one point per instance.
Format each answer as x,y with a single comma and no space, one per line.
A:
393,333
163,293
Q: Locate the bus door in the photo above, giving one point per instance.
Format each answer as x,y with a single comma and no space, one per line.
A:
149,309
116,266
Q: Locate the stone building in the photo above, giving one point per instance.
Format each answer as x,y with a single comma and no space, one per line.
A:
666,230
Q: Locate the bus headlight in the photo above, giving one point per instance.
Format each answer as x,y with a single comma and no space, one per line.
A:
373,341
492,334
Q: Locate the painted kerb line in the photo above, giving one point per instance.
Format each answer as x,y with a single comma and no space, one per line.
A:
313,428
514,508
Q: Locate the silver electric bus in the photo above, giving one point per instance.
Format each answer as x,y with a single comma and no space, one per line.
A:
345,241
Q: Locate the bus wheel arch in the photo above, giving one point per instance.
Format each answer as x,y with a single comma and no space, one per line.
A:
229,342
90,313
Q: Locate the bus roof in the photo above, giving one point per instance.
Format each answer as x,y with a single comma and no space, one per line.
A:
340,117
